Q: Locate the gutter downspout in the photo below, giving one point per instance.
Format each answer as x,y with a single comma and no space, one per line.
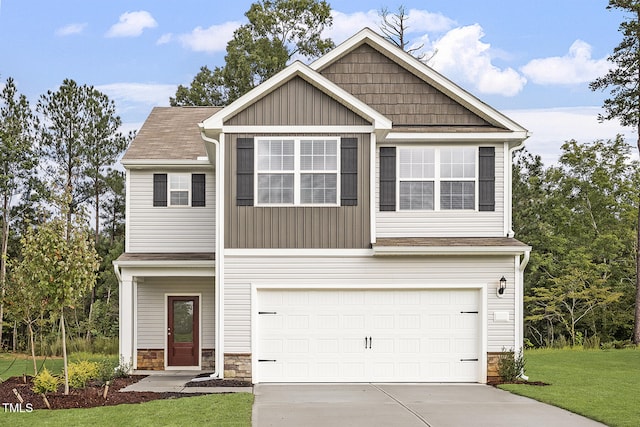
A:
219,351
523,265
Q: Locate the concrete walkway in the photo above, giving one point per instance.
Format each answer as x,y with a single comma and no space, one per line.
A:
403,405
174,382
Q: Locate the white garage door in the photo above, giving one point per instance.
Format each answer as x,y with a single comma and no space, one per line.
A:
368,335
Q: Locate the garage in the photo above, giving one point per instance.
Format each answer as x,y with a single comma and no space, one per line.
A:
368,335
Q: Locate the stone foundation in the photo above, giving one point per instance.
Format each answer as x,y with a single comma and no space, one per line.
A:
237,366
208,359
150,359
492,366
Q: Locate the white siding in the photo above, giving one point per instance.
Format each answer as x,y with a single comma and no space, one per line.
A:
168,229
394,272
152,312
445,223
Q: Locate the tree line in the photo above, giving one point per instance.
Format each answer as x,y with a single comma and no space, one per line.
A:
61,217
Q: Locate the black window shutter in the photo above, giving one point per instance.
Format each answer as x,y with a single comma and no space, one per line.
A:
244,172
387,178
487,179
198,190
159,189
349,172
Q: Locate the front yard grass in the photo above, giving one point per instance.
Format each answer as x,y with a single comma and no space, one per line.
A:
603,385
216,410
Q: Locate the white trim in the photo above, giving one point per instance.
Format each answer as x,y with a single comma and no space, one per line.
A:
372,188
220,254
507,185
482,315
450,250
420,69
216,122
166,324
517,301
207,267
127,210
266,252
135,321
457,137
166,163
287,130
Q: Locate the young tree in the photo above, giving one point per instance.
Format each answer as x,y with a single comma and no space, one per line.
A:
277,30
624,104
59,264
17,165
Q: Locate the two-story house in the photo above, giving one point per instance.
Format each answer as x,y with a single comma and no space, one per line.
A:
345,221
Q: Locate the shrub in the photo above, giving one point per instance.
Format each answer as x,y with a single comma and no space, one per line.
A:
510,365
592,342
81,373
45,382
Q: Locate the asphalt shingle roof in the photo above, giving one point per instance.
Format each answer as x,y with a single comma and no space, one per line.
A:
170,133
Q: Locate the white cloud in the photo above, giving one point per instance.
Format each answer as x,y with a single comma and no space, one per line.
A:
210,40
71,29
462,56
575,67
132,24
165,38
138,93
551,127
419,21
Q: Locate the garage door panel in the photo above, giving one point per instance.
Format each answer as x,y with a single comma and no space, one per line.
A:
321,335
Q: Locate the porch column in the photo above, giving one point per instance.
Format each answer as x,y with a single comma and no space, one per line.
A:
126,331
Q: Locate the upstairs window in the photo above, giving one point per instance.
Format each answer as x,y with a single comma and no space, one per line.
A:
297,171
432,178
178,189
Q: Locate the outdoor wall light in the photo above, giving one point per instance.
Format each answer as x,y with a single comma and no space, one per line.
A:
502,287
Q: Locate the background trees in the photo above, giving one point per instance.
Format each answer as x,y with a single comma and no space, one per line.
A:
277,31
623,80
579,216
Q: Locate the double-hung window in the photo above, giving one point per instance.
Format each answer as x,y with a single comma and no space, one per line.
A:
297,171
431,178
458,178
179,188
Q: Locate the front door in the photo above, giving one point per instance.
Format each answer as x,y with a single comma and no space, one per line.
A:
183,331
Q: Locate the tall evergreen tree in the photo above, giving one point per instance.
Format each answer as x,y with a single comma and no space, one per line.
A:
623,81
17,166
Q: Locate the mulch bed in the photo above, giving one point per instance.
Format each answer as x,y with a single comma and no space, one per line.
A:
89,397
219,383
498,382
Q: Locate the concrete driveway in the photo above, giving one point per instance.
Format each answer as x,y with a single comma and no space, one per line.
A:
400,405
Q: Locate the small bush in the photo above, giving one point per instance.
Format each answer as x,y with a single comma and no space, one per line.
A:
510,365
592,342
45,382
81,373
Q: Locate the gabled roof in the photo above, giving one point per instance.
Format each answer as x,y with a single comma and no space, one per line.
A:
214,124
424,72
171,135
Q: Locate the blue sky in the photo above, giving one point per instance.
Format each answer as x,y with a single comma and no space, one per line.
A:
531,60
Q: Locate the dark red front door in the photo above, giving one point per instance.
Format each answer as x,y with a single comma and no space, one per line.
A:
183,331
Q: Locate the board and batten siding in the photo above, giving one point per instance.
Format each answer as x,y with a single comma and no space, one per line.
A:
297,226
169,229
296,102
447,223
394,272
152,310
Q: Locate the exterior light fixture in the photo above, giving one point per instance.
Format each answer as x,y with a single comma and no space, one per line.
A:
502,287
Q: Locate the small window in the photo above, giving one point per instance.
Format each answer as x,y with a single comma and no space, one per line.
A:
417,175
458,178
179,188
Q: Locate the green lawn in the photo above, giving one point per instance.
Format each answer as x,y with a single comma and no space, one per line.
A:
215,410
14,365
600,384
